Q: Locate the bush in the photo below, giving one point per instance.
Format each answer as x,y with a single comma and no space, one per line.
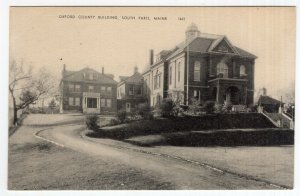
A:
121,115
167,107
92,122
227,108
209,106
145,111
194,107
114,122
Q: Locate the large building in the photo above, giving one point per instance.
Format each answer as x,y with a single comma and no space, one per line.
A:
88,91
130,92
204,67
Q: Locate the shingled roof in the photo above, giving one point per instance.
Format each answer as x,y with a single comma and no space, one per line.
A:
78,76
135,78
266,100
205,43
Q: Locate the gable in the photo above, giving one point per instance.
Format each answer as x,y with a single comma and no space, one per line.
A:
223,47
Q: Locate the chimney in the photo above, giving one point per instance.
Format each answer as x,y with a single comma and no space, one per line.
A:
102,70
135,69
264,91
151,57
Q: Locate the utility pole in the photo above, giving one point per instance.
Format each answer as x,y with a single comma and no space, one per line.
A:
187,73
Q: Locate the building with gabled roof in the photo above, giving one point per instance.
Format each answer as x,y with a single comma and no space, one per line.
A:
130,92
87,91
204,67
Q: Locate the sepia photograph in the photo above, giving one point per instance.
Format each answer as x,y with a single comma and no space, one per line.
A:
151,98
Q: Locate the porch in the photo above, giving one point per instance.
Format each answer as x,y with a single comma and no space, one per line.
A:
91,102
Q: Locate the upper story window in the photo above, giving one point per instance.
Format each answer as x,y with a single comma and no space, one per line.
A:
178,70
108,89
170,75
91,88
222,68
131,89
71,87
157,81
103,88
197,69
139,90
242,70
77,87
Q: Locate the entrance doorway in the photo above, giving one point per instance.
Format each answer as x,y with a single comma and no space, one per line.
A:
91,102
232,96
127,107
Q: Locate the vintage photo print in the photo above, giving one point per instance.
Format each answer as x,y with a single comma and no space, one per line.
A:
151,98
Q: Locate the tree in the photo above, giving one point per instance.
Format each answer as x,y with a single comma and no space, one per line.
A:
52,105
26,88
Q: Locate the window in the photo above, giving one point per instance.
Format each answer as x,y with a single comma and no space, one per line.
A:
71,101
139,90
178,70
170,76
77,88
146,86
103,88
197,67
131,89
108,103
77,101
91,88
95,76
222,68
156,81
102,102
92,102
242,70
71,87
195,93
108,89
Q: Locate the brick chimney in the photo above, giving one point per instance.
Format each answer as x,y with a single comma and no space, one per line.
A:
135,70
264,91
151,60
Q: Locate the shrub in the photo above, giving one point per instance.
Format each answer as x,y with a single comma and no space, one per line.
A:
114,122
227,107
209,106
218,108
194,107
167,107
92,122
121,115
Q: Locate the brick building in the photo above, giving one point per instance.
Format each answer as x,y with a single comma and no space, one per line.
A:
88,91
217,70
130,92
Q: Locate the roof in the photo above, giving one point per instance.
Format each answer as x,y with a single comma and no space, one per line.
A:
205,43
78,76
135,78
122,78
266,100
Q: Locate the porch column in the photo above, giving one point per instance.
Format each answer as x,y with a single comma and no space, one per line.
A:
98,102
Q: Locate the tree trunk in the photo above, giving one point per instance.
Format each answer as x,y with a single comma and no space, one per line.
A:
15,121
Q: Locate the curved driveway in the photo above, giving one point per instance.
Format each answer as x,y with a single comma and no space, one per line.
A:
182,174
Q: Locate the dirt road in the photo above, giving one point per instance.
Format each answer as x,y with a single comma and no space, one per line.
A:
78,163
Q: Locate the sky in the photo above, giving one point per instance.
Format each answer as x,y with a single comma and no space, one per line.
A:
42,36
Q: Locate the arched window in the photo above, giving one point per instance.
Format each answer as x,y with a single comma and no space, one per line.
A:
222,68
242,70
197,69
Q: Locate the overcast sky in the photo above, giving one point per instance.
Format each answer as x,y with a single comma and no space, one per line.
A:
40,37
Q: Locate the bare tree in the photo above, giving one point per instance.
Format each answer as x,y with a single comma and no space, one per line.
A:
25,88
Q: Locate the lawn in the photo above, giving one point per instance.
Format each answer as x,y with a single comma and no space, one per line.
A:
210,130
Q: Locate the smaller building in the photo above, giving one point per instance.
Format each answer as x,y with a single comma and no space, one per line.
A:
130,92
88,91
269,104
